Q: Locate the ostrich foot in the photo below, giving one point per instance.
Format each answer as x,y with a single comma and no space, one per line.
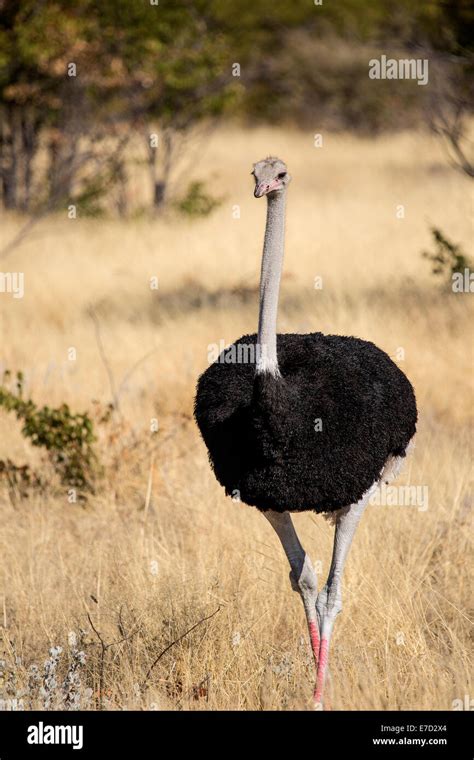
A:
328,606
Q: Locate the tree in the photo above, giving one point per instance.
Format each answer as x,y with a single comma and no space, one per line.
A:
79,78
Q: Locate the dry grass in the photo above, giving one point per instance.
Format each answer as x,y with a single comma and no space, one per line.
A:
159,547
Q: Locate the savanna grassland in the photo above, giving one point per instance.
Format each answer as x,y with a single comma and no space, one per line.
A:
158,548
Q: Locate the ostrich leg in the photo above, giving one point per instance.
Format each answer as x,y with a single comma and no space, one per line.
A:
329,601
302,576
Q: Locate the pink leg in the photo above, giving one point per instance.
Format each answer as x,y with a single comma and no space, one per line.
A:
322,671
314,638
302,576
329,602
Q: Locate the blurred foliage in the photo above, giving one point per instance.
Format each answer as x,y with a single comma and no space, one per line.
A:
447,258
67,437
20,480
171,65
196,201
135,63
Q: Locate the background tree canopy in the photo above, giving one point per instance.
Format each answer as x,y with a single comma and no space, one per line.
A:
79,79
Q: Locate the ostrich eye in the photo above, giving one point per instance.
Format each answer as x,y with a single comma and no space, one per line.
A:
281,175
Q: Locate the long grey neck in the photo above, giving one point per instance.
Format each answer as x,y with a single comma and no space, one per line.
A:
272,262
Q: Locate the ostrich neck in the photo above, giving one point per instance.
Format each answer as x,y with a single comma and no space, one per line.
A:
272,262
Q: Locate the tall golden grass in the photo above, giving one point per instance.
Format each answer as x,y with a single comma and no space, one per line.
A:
159,548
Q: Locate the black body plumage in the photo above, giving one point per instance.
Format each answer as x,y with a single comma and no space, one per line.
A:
315,438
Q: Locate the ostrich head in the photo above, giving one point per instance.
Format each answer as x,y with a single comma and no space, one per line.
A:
271,176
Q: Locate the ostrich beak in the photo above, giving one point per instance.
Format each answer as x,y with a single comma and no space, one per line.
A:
263,188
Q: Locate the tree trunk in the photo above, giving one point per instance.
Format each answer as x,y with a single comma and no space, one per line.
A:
159,192
9,158
29,140
160,180
62,166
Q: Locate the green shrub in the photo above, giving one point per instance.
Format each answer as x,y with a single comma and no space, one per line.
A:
196,202
67,437
448,258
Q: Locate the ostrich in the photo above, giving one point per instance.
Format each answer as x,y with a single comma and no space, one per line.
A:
303,423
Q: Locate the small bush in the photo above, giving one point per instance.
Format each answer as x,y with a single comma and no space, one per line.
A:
448,258
67,437
19,479
197,202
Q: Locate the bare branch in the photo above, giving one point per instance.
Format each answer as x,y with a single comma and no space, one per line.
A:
132,370
105,361
104,646
176,641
